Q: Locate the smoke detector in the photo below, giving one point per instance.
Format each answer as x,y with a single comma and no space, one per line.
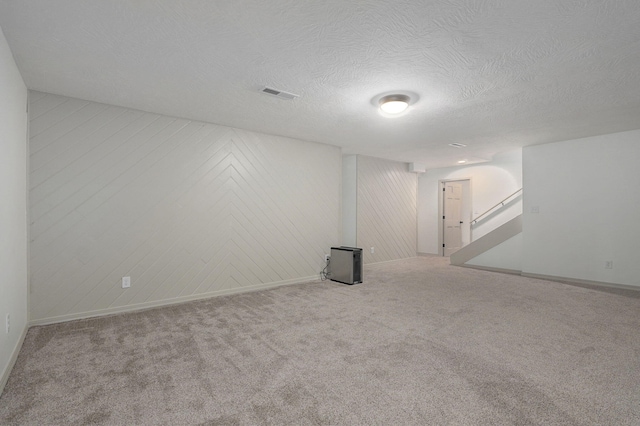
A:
278,93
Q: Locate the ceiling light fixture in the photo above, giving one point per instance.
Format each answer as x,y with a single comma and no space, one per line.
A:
457,145
394,104
462,161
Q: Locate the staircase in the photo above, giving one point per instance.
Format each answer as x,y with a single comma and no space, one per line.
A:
487,242
501,248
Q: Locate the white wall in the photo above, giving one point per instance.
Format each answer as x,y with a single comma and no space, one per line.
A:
349,200
13,208
490,183
586,191
386,209
186,209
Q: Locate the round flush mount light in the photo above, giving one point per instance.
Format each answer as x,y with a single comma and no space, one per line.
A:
462,161
394,104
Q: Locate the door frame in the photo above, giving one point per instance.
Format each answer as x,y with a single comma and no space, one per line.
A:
466,207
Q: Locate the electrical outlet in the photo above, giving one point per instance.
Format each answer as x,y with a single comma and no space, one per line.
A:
373,250
535,209
126,282
8,323
608,264
326,258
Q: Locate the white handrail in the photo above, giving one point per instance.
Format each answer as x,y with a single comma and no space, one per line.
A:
501,203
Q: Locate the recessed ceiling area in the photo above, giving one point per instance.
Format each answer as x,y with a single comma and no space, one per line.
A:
492,75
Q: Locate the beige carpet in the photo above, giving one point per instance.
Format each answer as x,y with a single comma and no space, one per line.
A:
419,342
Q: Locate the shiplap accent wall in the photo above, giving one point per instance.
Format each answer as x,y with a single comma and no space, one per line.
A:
13,211
187,209
386,209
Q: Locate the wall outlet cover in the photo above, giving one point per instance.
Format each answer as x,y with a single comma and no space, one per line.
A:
126,282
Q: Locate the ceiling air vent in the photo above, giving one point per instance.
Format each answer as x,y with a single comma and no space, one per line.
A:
457,145
278,93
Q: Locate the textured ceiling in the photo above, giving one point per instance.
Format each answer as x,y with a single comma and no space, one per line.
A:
492,74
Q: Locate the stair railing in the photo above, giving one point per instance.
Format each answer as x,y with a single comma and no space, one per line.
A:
499,204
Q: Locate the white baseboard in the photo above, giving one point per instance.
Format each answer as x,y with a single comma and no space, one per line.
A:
12,361
167,302
491,269
564,280
580,281
421,254
383,262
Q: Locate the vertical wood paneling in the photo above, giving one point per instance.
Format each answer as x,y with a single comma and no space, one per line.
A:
386,209
184,208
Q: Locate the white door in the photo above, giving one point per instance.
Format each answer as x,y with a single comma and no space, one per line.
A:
452,217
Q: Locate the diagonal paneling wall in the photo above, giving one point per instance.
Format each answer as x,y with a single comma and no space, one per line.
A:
386,209
187,209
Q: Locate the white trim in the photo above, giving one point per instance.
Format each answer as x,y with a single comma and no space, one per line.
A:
421,254
12,360
392,260
167,302
563,280
566,280
491,269
28,204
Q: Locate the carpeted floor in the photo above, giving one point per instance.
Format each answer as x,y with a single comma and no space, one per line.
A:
419,342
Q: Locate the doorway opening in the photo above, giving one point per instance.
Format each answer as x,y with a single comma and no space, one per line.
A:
455,215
